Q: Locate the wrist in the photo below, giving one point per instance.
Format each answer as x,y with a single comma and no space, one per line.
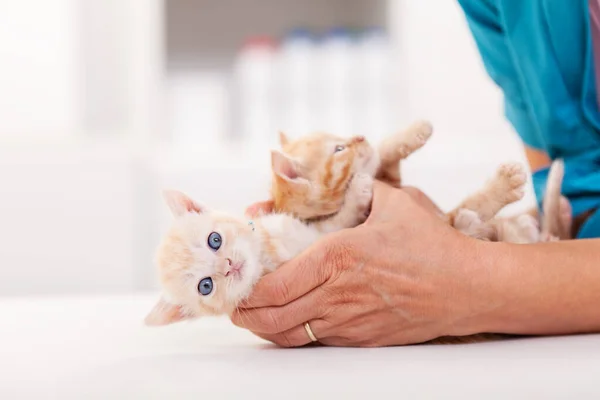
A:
544,288
485,289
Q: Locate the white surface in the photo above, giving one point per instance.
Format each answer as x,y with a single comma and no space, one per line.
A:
97,348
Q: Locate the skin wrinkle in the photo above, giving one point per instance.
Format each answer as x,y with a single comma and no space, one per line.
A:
383,294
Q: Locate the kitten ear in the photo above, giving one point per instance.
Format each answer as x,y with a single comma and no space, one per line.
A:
283,139
283,166
165,313
180,204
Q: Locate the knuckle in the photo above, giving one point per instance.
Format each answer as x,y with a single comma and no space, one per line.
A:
332,299
270,321
344,297
281,292
339,255
284,340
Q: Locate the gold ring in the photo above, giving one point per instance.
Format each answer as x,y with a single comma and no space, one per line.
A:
309,332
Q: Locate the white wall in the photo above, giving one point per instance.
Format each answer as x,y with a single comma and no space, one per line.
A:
78,81
86,215
38,69
445,82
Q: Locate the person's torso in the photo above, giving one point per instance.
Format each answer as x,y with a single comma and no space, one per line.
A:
552,49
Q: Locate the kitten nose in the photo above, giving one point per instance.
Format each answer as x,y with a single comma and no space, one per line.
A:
357,139
234,267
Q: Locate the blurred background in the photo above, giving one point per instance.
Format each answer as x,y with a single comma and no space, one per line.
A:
104,103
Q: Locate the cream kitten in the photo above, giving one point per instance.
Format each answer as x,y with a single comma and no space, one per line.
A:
209,261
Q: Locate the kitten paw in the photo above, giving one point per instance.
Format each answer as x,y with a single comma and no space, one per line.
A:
511,179
546,237
422,132
468,222
528,229
413,138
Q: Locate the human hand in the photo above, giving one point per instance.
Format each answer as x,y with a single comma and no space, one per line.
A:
402,277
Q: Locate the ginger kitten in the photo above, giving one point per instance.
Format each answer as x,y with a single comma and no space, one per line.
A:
310,174
554,224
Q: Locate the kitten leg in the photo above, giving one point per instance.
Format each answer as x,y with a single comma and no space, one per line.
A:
469,223
521,229
566,218
354,211
398,147
507,186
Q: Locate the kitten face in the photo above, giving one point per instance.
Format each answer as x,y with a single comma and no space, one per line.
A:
313,172
207,263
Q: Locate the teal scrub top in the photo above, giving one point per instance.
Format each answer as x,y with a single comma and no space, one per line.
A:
539,52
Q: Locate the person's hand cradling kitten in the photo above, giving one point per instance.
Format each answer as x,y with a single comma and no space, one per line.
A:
397,279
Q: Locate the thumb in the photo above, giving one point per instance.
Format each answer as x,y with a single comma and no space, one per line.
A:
295,278
387,202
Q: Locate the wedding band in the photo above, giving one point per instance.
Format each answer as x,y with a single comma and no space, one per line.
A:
309,332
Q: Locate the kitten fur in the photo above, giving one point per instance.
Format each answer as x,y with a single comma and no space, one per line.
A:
310,174
555,221
246,252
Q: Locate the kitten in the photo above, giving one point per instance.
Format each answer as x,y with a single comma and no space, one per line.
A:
209,261
310,174
555,222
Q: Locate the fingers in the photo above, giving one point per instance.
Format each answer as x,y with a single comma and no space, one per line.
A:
256,209
423,200
390,203
298,276
382,193
296,336
387,202
274,320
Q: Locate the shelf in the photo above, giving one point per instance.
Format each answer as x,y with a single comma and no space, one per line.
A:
208,33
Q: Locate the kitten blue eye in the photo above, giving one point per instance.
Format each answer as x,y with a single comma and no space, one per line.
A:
339,148
205,286
214,241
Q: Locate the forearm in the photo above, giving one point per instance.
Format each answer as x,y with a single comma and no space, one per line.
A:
545,288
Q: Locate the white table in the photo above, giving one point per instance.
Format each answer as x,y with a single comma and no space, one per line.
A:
97,348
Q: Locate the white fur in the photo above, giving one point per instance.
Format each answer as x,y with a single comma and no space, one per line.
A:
185,257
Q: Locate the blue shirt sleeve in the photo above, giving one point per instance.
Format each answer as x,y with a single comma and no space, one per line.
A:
485,25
